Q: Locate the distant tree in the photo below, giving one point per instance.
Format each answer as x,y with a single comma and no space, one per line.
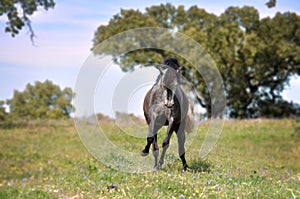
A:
279,108
103,118
125,119
2,111
18,13
42,100
256,57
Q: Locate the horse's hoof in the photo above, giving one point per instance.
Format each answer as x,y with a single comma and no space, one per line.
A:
186,168
143,153
160,164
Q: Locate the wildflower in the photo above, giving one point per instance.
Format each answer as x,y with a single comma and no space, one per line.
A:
24,180
209,181
181,196
215,173
81,170
258,191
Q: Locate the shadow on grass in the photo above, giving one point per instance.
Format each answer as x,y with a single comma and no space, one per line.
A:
199,165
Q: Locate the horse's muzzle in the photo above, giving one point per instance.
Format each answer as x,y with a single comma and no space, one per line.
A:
169,105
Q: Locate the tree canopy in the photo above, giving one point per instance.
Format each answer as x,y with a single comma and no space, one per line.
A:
18,13
40,101
255,56
2,110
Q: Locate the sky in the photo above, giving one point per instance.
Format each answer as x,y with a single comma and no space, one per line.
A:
64,39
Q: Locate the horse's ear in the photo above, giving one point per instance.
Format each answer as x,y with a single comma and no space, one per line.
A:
179,69
161,68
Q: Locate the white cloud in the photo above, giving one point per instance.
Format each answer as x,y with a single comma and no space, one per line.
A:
71,15
52,50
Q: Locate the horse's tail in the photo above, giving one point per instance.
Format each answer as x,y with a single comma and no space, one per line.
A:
189,121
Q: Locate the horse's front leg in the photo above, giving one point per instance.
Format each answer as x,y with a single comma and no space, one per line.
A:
153,128
155,152
145,151
166,142
150,137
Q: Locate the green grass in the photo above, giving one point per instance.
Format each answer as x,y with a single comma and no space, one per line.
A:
252,159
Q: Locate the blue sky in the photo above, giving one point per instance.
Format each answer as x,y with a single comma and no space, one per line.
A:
65,33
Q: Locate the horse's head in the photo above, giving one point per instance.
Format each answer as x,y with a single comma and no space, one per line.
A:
169,82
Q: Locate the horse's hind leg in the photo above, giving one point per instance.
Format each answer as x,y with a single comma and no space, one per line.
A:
181,140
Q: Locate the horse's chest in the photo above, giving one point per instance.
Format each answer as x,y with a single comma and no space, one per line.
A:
168,113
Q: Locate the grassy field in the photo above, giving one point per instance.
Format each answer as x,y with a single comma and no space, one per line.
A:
252,159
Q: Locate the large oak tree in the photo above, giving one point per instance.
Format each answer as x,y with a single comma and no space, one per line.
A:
255,56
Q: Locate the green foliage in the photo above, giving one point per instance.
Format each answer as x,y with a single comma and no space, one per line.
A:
2,111
18,12
279,108
256,57
271,3
41,100
252,159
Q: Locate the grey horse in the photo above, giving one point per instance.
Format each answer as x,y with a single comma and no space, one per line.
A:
166,104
